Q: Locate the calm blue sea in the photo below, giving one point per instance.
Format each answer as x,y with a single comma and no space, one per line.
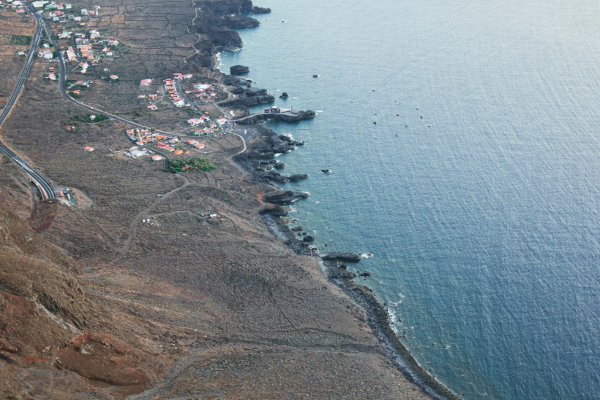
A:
476,190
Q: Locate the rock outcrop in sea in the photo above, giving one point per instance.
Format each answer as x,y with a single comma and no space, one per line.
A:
248,97
283,197
239,70
348,257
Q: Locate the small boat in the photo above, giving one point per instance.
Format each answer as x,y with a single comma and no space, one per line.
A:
315,76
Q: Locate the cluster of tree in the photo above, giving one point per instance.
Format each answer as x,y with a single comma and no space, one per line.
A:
192,163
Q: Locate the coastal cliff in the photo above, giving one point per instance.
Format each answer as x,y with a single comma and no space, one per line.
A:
213,23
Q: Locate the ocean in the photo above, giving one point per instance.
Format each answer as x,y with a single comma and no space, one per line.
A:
462,139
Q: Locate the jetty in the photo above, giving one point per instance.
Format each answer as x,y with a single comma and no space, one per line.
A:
277,113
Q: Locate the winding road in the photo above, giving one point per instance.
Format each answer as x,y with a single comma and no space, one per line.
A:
45,188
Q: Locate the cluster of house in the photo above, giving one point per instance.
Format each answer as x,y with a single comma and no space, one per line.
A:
150,97
195,143
85,45
143,136
205,92
166,146
77,86
14,4
171,88
61,12
210,126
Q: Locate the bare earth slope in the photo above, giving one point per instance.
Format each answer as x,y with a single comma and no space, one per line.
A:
143,293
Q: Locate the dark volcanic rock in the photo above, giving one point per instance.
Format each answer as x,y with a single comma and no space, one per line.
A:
285,117
279,165
289,117
326,171
260,10
342,273
284,196
284,95
308,239
249,97
237,90
239,22
231,80
348,257
238,70
297,228
365,274
223,7
274,176
252,91
297,177
255,100
212,26
275,210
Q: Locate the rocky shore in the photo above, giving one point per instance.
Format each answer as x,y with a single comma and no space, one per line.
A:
264,148
259,160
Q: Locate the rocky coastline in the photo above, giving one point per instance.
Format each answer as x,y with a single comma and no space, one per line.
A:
275,216
259,160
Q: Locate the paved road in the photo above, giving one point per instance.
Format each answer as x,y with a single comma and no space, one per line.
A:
44,186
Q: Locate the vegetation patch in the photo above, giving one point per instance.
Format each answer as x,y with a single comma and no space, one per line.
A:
78,96
90,118
20,40
192,163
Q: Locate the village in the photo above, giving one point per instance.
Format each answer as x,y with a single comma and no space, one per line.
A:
17,5
170,143
172,88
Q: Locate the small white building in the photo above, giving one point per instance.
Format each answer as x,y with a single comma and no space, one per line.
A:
137,153
272,110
